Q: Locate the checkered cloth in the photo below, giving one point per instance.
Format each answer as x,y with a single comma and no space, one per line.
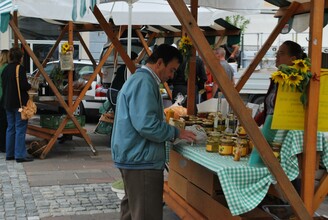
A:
244,186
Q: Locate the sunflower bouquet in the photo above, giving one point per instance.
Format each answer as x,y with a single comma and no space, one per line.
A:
185,46
296,77
65,48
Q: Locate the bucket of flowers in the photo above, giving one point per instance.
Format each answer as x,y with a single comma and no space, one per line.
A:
66,57
185,46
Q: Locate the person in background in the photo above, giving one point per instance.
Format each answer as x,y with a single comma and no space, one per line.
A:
180,81
232,53
119,79
140,132
220,54
4,58
286,54
16,130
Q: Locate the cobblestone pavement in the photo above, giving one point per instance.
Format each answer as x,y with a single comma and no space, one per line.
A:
18,200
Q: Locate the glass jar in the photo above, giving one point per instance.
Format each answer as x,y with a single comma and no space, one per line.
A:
226,146
211,145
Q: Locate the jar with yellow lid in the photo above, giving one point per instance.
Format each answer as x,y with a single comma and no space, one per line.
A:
226,145
211,145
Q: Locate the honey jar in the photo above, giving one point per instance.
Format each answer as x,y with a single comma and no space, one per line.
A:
211,145
226,145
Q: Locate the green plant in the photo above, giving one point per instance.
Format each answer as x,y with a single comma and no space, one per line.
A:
239,21
57,76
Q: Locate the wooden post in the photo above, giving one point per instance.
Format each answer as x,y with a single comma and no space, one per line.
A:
70,72
192,75
311,113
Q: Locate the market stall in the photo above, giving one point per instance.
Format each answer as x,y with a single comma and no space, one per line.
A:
79,17
302,210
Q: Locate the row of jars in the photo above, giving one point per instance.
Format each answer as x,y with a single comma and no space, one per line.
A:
211,121
228,144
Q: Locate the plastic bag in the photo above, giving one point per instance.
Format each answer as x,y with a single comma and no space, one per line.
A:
177,108
105,124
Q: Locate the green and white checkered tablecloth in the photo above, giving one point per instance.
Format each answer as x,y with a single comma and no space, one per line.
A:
244,186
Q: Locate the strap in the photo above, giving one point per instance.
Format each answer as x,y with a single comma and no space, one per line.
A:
18,89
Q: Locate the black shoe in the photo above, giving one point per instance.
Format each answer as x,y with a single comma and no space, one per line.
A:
21,160
10,158
2,150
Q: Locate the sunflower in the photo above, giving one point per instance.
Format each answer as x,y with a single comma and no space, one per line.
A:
65,47
297,76
294,79
278,77
301,65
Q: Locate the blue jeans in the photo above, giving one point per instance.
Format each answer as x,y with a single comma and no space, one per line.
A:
16,133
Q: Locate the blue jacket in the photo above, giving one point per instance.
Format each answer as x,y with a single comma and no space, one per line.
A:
140,132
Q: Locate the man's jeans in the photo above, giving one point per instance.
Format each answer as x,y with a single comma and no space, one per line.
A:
16,133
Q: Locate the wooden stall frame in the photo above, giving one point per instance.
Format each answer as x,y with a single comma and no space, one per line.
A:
302,211
57,94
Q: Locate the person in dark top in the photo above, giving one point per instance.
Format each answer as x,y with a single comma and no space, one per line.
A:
180,83
119,80
4,58
16,130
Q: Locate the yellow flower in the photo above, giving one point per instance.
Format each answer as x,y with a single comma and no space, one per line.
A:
297,76
65,47
278,77
301,65
294,79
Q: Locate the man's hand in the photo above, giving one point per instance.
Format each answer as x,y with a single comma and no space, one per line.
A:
187,135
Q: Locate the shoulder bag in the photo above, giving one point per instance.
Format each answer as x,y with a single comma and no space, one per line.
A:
29,110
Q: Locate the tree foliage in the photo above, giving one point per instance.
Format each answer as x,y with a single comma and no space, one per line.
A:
238,21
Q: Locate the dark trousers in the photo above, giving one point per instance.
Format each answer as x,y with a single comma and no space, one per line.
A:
143,198
3,128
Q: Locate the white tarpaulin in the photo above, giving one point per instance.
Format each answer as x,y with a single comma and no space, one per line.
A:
155,12
62,10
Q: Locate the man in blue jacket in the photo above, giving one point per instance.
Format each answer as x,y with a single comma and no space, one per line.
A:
140,132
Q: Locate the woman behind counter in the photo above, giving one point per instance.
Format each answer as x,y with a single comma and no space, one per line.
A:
16,131
286,54
4,58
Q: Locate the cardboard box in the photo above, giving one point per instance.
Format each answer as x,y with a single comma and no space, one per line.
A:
206,205
178,184
204,179
179,164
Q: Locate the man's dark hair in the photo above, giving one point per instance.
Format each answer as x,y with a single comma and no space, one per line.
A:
15,55
166,52
134,55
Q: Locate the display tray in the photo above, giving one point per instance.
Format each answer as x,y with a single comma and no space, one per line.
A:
53,121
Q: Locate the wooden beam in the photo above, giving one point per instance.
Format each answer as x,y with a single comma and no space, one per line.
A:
102,21
70,72
321,192
276,31
15,19
192,75
53,49
304,8
204,49
311,112
85,47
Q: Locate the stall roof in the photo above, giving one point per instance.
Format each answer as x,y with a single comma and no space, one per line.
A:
300,21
